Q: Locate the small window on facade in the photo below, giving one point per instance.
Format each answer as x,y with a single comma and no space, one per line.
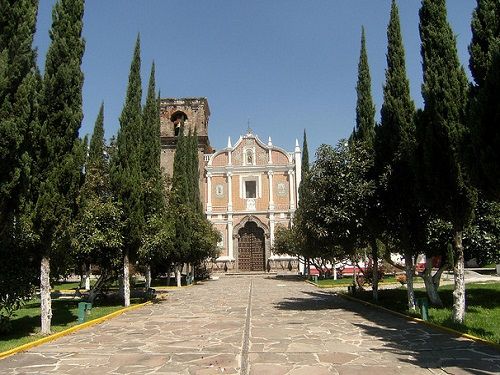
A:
250,189
249,157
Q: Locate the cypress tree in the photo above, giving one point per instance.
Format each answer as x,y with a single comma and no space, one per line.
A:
485,26
179,176
484,115
305,156
19,100
443,132
126,167
59,157
364,133
394,149
195,174
365,109
154,191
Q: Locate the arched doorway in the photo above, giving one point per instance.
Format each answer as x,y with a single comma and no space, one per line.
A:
251,248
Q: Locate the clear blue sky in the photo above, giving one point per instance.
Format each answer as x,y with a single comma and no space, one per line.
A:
284,64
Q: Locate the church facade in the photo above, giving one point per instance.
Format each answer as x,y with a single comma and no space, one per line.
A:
248,189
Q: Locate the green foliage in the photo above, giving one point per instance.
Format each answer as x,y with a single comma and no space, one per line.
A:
19,96
442,130
485,27
395,146
365,109
126,173
332,216
485,97
153,188
60,157
97,232
195,238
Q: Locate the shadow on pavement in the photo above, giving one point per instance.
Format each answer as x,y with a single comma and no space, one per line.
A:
411,342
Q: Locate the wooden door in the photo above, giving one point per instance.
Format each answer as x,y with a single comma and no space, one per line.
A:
251,248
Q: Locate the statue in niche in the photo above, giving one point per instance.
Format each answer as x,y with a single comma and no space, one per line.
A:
249,157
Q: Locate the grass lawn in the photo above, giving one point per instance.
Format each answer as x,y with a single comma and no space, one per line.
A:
482,317
26,322
348,281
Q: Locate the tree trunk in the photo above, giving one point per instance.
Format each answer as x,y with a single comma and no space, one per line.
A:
169,271
430,287
45,301
410,271
87,277
375,269
148,276
459,275
178,274
126,280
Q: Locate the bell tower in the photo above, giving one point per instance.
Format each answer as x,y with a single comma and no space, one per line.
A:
189,114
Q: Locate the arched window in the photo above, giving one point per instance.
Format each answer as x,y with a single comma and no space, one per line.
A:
178,119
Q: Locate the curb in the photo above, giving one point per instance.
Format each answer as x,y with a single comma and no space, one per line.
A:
66,332
418,320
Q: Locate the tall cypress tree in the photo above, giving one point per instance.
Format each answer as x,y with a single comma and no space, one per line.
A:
19,95
484,116
305,156
195,174
365,109
443,132
59,157
364,133
394,149
154,190
126,167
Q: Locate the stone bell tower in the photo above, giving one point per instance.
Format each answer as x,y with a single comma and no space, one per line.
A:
191,114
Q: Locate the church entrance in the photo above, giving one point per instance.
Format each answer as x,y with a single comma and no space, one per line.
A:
251,248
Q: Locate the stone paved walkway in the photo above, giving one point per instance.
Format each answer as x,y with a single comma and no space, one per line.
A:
256,325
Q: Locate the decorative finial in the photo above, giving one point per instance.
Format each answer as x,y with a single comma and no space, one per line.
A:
249,129
229,142
269,142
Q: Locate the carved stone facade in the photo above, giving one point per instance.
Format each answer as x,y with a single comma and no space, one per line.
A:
251,182
248,189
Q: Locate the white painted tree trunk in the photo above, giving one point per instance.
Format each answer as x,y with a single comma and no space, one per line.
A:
430,287
410,270
126,280
178,274
87,277
459,274
148,276
45,301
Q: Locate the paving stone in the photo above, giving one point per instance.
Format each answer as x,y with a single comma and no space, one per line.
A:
256,325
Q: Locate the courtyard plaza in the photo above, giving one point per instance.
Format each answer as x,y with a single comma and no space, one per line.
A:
256,325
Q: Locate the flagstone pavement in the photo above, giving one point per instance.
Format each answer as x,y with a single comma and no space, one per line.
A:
256,325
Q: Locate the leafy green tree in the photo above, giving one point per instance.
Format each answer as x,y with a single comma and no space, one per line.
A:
332,216
97,232
126,173
19,100
485,94
394,149
449,194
